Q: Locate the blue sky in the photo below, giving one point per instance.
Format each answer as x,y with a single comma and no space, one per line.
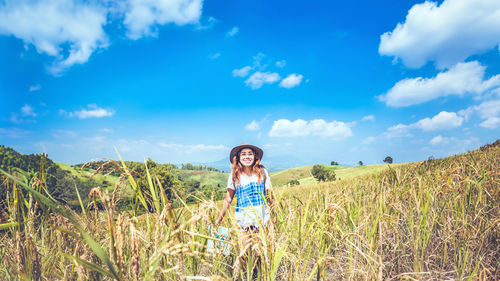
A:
186,80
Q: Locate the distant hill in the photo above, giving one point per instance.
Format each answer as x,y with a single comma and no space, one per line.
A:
272,163
303,174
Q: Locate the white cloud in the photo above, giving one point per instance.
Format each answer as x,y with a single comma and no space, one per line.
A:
488,110
24,115
461,79
442,121
291,81
252,126
235,30
318,127
447,34
368,118
439,140
398,131
34,88
143,17
214,56
107,130
369,140
281,63
27,110
256,80
93,111
242,72
208,25
71,31
491,123
51,25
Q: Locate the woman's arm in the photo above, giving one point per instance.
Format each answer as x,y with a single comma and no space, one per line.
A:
225,205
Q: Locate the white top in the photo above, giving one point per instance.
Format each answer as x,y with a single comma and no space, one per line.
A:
251,207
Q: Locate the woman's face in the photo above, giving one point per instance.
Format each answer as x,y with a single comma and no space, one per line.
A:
247,157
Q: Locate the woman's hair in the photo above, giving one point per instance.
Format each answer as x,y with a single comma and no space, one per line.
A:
237,168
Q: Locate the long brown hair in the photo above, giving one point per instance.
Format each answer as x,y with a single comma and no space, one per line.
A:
237,167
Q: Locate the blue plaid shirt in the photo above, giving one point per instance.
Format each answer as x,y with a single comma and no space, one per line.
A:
250,195
250,199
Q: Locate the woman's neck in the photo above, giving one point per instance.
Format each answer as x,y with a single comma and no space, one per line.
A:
247,170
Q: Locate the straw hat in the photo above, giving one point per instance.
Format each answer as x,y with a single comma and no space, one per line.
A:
258,152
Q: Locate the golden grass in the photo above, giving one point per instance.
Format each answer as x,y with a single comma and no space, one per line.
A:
431,220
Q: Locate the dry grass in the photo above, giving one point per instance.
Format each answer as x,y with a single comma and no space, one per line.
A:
433,220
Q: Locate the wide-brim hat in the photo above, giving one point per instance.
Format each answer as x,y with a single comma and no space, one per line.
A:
258,152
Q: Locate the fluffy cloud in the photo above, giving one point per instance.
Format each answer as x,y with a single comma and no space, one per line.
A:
35,88
214,56
256,80
489,110
447,34
491,123
142,17
27,110
70,31
93,111
461,79
439,140
252,126
318,127
281,63
48,25
291,81
369,140
235,30
242,72
24,116
442,121
368,118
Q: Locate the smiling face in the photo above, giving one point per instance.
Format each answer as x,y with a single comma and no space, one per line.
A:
247,157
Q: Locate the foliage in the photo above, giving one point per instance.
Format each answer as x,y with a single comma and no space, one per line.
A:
388,160
360,163
320,173
333,163
293,182
60,184
189,166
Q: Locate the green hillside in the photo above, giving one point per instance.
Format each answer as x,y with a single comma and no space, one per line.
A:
303,174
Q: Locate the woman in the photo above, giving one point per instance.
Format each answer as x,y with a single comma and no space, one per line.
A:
250,181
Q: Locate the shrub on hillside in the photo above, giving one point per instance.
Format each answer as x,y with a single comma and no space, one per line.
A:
320,173
293,182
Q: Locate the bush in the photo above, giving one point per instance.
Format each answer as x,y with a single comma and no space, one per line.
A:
388,160
320,173
293,182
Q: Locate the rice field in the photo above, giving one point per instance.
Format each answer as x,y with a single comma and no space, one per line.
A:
431,220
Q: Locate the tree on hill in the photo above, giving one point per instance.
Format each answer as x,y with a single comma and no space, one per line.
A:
388,160
320,173
333,163
360,163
